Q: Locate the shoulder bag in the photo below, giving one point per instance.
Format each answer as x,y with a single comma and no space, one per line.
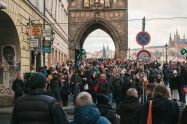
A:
149,117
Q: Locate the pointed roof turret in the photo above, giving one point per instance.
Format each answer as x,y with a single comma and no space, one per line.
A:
170,40
107,47
177,33
184,36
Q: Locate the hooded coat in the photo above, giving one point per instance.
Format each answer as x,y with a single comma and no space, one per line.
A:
183,76
130,110
107,112
88,115
164,111
174,83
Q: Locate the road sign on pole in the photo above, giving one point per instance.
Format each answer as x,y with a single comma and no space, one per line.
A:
143,38
143,56
34,43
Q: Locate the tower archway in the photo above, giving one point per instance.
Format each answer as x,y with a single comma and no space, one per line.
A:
85,18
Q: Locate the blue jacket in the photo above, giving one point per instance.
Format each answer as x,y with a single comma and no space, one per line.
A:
88,115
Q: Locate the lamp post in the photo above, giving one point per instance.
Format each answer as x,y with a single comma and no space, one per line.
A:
35,56
166,46
128,50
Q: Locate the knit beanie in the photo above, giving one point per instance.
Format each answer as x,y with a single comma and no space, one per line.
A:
37,80
102,99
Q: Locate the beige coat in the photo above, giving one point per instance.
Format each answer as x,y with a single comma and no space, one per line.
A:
161,83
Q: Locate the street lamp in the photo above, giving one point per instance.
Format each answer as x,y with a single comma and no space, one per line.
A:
166,46
35,56
128,50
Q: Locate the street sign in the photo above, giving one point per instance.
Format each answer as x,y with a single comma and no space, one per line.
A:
46,43
34,43
35,30
143,56
46,49
143,38
47,32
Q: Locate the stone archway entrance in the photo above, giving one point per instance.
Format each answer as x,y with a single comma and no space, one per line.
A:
10,57
85,16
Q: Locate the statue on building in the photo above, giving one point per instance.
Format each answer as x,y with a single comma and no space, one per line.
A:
96,1
92,2
86,3
107,3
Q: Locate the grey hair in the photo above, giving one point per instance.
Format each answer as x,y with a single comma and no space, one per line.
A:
84,99
131,92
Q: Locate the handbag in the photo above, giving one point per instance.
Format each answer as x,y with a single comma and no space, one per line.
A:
149,117
96,88
185,90
86,87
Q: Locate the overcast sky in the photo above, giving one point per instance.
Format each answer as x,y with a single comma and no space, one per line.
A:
159,29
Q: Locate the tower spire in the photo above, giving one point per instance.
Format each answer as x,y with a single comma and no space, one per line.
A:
177,32
184,36
170,40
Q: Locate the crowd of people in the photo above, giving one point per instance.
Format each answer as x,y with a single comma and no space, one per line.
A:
101,82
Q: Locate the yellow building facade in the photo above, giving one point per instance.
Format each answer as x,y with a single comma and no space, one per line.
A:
16,54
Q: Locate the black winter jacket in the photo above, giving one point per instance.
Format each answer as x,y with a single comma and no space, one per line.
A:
55,85
110,80
65,88
91,85
103,87
73,79
130,110
164,111
183,76
174,83
118,83
38,108
18,86
107,112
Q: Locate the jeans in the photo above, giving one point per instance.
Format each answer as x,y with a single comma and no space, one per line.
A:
110,97
56,95
166,83
117,98
182,94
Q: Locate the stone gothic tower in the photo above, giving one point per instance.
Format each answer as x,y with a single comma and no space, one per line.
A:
85,16
176,38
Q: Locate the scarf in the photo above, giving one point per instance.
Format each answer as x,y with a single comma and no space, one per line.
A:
101,81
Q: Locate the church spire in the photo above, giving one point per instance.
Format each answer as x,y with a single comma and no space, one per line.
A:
170,40
184,36
177,33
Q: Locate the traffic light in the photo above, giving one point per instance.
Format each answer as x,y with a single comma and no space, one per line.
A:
183,51
77,54
83,51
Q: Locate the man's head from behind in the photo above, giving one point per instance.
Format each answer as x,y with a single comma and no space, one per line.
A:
132,92
37,80
84,99
149,89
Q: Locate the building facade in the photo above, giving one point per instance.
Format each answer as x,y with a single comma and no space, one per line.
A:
16,56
